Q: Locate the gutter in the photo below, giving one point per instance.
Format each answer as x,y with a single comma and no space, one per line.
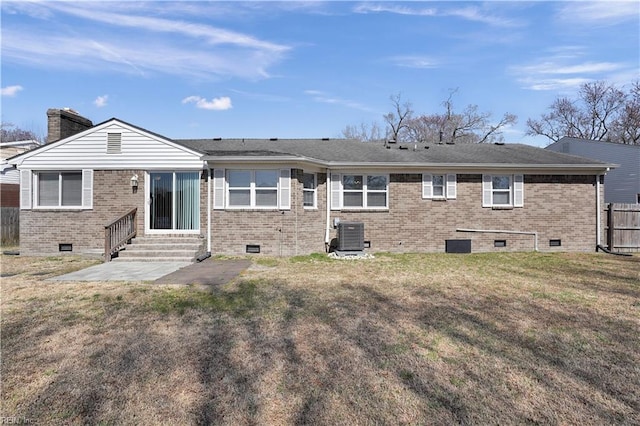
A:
417,166
501,231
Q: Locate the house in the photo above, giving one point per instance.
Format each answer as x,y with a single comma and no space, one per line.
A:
284,197
622,184
9,177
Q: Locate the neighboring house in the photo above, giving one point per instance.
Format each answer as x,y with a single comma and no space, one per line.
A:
622,185
9,176
283,197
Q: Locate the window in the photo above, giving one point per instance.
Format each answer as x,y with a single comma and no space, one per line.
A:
359,191
309,185
439,186
502,191
252,189
501,187
70,189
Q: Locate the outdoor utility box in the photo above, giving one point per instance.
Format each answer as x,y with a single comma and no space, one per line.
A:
350,236
457,246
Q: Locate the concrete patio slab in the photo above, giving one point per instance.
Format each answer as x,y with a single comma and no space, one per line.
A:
209,272
123,271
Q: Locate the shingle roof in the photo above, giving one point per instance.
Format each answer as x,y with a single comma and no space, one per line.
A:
350,151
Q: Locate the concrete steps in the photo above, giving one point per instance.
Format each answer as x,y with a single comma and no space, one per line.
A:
162,249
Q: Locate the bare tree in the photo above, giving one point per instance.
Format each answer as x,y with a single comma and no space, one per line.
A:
601,112
626,127
469,126
398,119
11,133
364,132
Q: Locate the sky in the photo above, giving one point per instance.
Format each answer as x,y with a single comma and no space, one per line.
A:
304,69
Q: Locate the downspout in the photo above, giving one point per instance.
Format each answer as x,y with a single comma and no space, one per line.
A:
209,211
598,219
328,208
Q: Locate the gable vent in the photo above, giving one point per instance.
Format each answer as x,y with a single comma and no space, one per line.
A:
114,143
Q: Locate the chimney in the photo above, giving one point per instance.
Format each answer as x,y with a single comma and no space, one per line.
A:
62,123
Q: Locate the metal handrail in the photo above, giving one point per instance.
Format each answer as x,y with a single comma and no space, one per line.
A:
118,232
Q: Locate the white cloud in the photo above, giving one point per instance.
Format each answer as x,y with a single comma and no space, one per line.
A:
598,13
11,90
215,104
101,101
180,47
414,61
133,56
470,13
393,8
323,97
566,69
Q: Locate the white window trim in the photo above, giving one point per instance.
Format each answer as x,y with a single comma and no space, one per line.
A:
516,191
222,188
314,191
337,191
86,190
449,186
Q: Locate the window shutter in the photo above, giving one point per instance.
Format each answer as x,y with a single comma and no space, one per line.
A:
427,186
218,189
336,189
518,190
285,189
451,186
87,189
25,189
487,190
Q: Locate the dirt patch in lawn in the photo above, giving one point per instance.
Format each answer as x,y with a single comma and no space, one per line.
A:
399,339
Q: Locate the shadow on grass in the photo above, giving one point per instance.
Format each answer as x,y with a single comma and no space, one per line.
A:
266,352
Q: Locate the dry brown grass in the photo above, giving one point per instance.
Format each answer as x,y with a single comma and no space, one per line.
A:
408,339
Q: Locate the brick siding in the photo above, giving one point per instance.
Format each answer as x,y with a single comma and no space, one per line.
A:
557,207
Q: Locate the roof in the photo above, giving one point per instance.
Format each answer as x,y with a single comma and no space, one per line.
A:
338,152
350,153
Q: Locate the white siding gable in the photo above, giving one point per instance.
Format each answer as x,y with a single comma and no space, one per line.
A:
88,150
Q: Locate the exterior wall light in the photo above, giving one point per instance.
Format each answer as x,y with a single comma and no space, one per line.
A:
134,182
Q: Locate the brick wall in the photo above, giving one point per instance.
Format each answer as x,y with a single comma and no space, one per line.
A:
278,233
557,207
42,230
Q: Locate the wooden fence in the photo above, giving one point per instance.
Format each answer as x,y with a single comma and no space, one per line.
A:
10,224
623,227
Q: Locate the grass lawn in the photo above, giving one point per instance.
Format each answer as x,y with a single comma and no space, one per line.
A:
399,339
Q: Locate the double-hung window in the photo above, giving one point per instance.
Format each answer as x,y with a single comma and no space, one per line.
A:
309,186
259,189
502,191
439,186
57,189
351,191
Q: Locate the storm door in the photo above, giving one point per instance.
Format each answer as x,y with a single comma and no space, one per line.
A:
174,201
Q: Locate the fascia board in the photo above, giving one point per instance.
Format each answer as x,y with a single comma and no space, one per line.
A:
418,167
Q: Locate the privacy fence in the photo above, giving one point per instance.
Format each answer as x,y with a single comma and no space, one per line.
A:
10,224
623,227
